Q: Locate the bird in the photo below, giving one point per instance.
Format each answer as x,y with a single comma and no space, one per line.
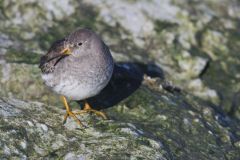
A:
78,67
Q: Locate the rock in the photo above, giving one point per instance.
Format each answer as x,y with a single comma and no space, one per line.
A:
137,21
25,82
155,125
183,101
214,43
30,129
191,67
199,89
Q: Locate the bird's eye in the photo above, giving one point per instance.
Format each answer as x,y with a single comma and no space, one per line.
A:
80,43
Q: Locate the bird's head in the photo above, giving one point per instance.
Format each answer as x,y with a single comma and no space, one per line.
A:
75,44
78,42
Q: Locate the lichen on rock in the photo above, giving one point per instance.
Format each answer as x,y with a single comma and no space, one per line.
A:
185,107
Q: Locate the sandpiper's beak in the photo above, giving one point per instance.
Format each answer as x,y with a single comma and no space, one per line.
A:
66,51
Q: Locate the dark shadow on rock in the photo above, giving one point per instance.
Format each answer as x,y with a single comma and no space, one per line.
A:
126,78
235,105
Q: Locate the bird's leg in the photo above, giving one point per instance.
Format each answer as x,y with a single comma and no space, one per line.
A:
88,109
69,112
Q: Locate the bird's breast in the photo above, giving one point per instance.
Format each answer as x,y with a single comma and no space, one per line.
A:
78,82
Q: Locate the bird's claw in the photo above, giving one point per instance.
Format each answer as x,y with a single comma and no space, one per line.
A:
73,115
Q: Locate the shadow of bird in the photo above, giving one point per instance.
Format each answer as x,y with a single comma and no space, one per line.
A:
126,79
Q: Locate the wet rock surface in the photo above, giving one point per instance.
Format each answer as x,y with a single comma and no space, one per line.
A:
176,96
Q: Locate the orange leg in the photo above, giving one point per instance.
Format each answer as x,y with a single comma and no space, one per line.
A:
88,109
69,112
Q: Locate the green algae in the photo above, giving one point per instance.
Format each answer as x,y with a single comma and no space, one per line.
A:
164,25
154,123
17,56
181,120
222,73
27,84
84,17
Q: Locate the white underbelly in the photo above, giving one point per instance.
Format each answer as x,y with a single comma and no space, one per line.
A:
77,91
73,89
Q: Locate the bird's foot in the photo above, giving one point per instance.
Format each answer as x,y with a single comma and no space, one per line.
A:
73,115
87,109
69,113
98,113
